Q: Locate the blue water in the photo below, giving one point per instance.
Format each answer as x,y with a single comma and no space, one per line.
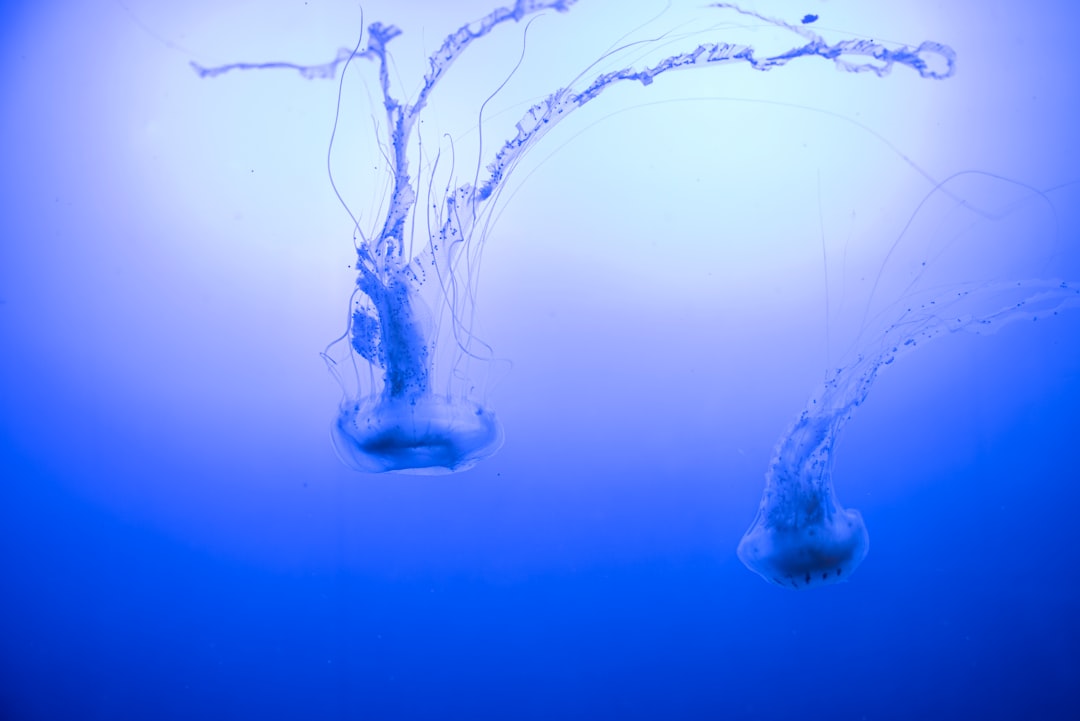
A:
856,289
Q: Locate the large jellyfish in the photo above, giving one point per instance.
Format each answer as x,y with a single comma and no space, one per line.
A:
410,360
972,257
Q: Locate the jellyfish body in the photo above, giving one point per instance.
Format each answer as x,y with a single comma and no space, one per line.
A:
801,535
408,426
811,552
980,231
429,435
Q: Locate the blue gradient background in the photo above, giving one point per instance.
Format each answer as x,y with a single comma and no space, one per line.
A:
178,540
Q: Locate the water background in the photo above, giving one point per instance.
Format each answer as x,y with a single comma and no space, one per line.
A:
178,539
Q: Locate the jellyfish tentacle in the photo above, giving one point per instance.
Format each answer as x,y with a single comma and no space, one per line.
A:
401,421
801,536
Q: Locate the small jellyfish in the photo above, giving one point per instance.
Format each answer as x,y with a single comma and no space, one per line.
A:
978,233
802,536
409,359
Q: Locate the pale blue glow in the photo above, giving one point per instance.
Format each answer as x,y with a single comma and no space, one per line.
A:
421,409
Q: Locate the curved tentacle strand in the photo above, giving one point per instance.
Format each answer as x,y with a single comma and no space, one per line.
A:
412,310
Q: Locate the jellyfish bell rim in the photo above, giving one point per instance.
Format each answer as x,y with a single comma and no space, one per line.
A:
805,556
431,435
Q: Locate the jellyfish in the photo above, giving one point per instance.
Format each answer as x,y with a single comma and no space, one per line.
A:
968,260
410,359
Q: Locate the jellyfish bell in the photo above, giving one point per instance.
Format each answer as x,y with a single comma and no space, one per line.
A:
429,435
809,551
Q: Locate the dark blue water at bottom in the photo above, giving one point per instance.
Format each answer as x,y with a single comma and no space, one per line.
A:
964,608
